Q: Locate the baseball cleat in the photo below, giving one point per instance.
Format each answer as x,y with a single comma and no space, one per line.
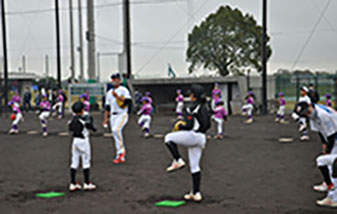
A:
277,120
74,187
13,131
89,186
327,202
218,137
45,134
176,165
195,197
249,121
120,158
283,122
304,138
302,127
323,187
146,135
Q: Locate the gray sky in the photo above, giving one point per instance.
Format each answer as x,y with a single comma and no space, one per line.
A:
159,33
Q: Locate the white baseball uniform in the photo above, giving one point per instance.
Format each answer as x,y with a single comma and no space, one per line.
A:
325,122
118,116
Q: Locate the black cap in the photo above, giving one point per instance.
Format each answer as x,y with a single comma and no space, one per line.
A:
196,90
116,75
301,108
78,107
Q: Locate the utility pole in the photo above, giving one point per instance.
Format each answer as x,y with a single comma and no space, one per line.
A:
127,38
4,45
24,64
58,50
80,49
47,66
91,40
72,48
264,57
98,61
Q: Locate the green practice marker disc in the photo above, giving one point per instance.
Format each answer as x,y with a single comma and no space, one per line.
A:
167,203
50,194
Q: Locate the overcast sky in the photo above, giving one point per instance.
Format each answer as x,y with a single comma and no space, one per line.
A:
159,33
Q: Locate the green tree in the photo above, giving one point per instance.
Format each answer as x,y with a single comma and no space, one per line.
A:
227,41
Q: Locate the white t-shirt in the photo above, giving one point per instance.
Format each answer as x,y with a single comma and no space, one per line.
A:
111,100
325,121
304,99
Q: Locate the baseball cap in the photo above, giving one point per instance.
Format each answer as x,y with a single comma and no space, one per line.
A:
144,99
116,75
304,88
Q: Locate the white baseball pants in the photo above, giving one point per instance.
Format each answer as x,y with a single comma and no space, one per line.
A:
146,120
117,123
80,150
195,143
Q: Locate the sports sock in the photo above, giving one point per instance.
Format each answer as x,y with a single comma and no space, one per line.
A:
173,149
196,177
325,173
86,173
73,175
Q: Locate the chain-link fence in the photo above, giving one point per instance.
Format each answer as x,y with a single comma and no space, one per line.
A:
290,86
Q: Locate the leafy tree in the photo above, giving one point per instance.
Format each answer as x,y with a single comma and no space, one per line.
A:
227,41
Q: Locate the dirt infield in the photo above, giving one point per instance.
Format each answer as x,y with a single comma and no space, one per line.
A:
249,171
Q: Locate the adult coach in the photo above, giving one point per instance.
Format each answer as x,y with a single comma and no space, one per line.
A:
116,106
313,94
324,121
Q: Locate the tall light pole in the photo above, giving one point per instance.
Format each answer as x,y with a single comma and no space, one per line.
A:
24,64
91,40
80,32
264,57
72,47
4,45
127,37
58,50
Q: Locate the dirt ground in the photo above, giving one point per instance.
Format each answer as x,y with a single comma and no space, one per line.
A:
248,171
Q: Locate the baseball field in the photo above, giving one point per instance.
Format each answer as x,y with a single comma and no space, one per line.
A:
249,171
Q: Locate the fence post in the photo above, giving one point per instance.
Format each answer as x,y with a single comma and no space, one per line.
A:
335,91
297,87
316,82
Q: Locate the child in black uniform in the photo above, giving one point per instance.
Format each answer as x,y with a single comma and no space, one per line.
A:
79,128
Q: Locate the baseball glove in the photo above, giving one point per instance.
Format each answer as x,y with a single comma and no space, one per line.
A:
121,103
176,126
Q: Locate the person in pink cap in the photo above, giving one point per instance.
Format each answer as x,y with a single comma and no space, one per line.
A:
44,114
247,109
219,115
216,95
85,100
145,116
59,104
328,100
281,110
180,104
16,117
